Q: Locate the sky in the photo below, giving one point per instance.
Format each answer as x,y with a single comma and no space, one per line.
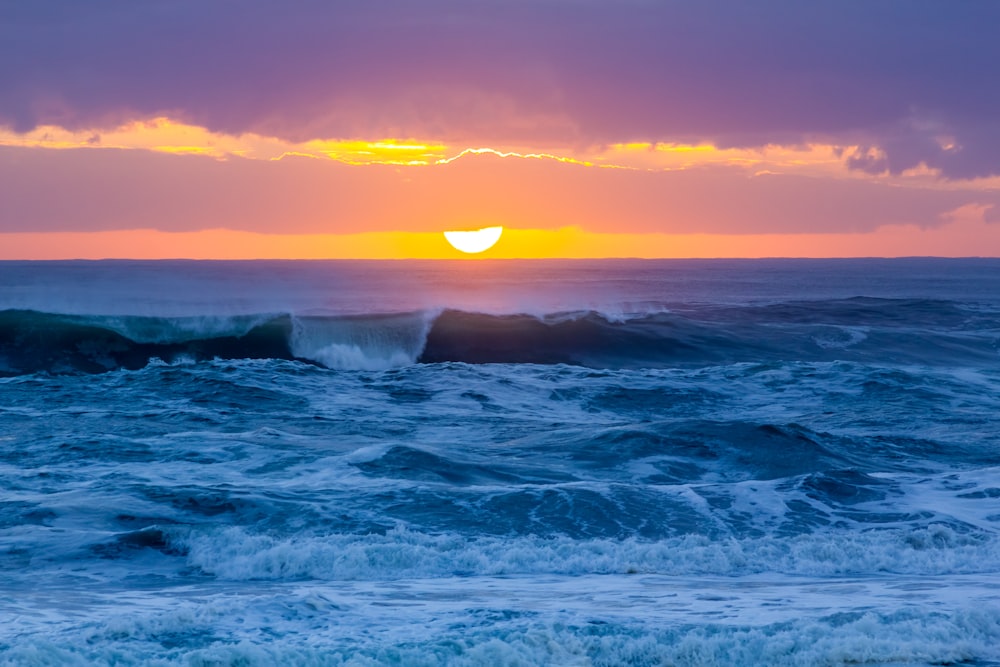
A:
630,128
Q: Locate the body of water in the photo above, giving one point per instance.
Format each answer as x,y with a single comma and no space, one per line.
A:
781,462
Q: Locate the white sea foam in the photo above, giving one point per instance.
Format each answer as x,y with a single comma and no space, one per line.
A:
840,338
596,620
235,554
362,343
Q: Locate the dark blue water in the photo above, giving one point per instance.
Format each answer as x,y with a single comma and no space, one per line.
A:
478,463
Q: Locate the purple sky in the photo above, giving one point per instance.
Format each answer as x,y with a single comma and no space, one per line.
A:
892,73
814,116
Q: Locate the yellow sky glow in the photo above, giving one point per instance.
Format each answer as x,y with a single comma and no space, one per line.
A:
965,235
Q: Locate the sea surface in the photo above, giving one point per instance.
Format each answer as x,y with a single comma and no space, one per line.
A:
718,462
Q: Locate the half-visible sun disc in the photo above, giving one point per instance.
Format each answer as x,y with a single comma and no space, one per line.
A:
473,242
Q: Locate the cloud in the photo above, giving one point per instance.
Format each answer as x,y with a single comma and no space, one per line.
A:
579,72
86,189
960,152
992,214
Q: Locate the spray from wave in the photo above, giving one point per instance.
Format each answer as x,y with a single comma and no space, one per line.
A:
374,342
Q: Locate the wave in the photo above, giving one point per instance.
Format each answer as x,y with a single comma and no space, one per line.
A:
234,554
507,621
32,341
894,331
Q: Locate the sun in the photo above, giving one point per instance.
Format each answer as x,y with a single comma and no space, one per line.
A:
474,241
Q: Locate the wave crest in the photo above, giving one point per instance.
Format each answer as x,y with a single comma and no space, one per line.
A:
865,330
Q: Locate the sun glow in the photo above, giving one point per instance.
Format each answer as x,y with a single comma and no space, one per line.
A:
474,241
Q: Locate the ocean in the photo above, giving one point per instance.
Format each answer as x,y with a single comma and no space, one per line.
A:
537,462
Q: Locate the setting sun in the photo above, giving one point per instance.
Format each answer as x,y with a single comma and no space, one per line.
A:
474,241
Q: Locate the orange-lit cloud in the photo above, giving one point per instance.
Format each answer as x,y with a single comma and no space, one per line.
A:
165,135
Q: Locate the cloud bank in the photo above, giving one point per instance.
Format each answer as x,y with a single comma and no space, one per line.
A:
915,80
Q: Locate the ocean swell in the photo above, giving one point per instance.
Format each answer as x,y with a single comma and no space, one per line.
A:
32,342
866,330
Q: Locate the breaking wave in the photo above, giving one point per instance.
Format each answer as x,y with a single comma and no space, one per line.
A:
899,331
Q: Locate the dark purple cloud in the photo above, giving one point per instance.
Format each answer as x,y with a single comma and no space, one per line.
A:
894,73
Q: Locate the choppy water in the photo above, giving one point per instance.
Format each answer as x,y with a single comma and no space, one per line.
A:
521,463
